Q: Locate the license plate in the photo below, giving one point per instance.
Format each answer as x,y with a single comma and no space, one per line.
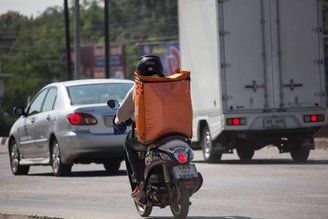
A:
108,121
274,122
185,171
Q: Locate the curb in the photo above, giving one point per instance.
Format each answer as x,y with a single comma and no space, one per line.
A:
321,139
3,141
321,143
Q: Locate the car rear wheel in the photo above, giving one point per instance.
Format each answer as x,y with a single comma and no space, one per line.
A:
58,168
14,156
112,166
245,153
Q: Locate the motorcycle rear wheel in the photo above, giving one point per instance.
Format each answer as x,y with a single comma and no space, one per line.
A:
143,209
180,205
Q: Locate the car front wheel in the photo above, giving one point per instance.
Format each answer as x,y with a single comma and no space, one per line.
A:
58,168
14,156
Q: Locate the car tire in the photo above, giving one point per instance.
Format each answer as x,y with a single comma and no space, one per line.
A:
245,153
58,168
14,156
209,153
300,154
112,166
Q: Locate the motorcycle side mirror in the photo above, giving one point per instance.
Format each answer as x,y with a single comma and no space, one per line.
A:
113,104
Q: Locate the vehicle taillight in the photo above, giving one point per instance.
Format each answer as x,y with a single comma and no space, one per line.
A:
182,156
236,121
81,119
314,118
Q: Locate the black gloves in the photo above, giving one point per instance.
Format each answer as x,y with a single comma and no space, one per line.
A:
129,122
121,128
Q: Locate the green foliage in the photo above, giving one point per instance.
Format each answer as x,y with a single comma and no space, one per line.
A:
35,57
92,23
144,20
33,49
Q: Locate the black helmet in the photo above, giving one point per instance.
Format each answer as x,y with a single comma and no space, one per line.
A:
149,65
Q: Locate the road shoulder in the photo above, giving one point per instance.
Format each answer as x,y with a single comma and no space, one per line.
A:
20,216
3,141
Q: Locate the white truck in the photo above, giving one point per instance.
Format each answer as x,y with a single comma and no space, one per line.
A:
257,74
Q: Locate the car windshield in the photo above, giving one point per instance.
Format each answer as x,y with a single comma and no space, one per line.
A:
97,93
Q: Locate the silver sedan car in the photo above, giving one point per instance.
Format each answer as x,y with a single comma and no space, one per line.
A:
66,123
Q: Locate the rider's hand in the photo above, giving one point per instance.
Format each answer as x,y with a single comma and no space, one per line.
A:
119,128
129,122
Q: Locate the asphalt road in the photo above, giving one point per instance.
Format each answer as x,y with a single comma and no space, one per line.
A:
271,186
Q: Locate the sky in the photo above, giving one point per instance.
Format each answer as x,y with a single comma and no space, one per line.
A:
28,7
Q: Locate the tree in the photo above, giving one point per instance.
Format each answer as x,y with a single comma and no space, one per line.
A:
36,54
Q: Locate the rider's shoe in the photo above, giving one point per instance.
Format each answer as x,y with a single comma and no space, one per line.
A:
136,191
138,194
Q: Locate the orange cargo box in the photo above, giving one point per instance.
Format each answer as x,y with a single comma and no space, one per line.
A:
163,106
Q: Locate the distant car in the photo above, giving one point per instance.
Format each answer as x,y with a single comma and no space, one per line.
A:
66,123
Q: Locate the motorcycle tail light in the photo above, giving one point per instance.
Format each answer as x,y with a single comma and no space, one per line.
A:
181,156
81,119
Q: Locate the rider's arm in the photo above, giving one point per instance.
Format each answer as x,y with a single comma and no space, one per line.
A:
125,111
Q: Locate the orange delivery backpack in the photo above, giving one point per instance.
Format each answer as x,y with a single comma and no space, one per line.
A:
162,106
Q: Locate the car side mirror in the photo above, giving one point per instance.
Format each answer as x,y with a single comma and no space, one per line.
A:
18,110
113,104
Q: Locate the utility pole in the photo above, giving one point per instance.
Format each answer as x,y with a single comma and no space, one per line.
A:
68,40
77,41
107,41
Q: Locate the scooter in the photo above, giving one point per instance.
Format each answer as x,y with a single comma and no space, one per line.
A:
169,177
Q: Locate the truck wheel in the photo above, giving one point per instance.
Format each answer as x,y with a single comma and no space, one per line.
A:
209,153
300,154
245,153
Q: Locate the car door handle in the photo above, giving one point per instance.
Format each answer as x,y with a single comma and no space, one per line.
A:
33,120
48,117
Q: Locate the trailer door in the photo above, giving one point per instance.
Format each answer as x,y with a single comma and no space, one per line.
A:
242,62
297,54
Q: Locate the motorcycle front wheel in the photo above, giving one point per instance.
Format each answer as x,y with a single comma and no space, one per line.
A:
143,209
180,204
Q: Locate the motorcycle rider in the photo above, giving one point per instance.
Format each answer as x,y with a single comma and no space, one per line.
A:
148,65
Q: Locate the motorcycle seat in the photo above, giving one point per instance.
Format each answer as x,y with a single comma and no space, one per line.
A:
134,144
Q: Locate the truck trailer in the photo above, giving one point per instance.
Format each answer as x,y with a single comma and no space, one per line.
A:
257,74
